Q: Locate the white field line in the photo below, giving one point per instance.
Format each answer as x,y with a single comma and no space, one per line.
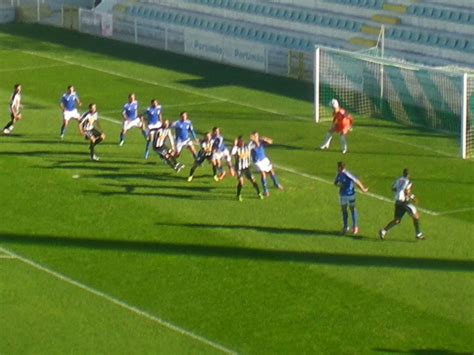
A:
34,67
173,87
7,256
317,178
467,209
117,302
200,103
219,99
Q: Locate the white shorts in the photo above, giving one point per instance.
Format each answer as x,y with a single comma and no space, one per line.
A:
127,124
181,144
73,114
347,200
264,166
225,154
154,126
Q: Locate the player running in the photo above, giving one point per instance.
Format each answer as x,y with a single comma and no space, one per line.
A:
14,108
205,153
346,183
161,135
341,123
184,131
220,152
130,118
152,119
90,129
262,163
242,154
68,103
404,203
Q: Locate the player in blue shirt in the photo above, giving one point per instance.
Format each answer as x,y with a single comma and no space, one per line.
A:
261,162
130,118
220,152
184,132
68,103
347,183
152,119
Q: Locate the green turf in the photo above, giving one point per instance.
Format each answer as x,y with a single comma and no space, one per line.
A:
269,276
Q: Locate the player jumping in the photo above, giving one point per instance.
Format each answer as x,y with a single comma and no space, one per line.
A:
346,181
404,203
341,123
14,108
90,129
68,103
241,152
262,163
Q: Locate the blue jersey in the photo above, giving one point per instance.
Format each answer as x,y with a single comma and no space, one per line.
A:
345,180
183,129
153,115
130,110
258,152
219,145
69,101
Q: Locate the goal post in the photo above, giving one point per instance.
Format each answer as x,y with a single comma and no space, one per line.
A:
440,99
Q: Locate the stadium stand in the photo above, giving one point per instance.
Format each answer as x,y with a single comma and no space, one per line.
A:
433,32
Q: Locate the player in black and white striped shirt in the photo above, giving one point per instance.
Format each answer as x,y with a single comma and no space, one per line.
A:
242,155
89,128
162,135
15,109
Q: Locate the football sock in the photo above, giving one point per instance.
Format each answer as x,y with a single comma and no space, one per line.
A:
390,225
239,188
255,185
343,141
91,148
144,134
147,147
9,124
193,169
122,136
354,217
264,184
345,216
63,129
275,180
327,139
214,170
416,223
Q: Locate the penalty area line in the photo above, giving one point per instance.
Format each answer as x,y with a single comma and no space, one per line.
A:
317,178
117,302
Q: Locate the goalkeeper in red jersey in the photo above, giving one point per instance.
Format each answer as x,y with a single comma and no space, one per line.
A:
341,123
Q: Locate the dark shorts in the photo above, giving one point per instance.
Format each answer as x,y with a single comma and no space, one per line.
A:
403,207
162,151
201,158
93,133
241,173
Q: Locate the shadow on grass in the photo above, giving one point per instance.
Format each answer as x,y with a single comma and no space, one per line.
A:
239,253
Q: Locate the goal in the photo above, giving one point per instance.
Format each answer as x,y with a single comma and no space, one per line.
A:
440,99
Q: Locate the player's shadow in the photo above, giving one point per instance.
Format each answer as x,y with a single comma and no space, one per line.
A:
132,187
42,153
158,176
239,252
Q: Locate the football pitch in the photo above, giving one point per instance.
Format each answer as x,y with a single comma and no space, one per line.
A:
126,256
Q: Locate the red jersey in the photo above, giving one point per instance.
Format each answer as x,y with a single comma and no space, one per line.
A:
342,121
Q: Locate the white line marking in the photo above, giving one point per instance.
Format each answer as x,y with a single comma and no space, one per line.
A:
173,87
467,209
33,67
117,302
7,256
317,178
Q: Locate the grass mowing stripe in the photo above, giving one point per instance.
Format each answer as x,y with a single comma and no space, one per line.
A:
34,67
116,301
467,209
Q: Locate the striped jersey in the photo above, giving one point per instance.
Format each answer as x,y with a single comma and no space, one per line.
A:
242,157
206,147
88,120
15,102
401,187
160,137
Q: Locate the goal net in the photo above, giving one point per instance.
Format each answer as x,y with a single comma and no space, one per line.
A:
438,99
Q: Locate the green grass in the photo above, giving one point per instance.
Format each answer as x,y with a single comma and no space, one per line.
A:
257,277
